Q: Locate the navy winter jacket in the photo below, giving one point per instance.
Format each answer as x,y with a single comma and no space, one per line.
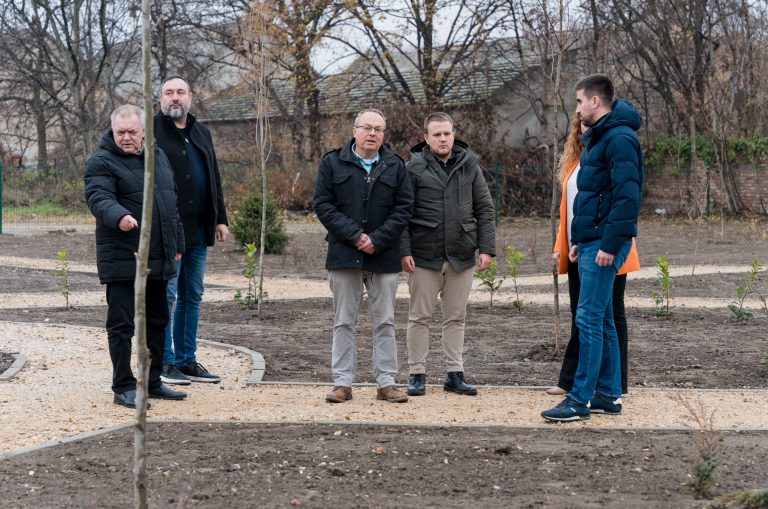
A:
114,187
349,201
171,140
610,180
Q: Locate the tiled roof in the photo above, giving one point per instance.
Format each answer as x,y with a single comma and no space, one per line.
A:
348,91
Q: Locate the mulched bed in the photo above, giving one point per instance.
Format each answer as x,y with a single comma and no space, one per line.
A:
368,466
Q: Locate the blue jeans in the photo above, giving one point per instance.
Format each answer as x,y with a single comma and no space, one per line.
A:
599,368
186,292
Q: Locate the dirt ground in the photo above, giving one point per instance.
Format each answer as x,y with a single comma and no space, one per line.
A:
332,465
387,466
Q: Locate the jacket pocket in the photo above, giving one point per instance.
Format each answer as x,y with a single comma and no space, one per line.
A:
343,186
467,242
385,191
423,240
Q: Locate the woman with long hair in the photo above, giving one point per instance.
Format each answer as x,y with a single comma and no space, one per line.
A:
569,170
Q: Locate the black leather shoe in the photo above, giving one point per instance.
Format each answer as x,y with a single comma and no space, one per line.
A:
162,391
417,384
454,382
127,398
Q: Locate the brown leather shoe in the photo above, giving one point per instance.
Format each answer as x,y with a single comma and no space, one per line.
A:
339,395
556,391
391,394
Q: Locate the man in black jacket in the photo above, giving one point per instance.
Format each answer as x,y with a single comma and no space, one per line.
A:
363,198
453,218
114,191
189,147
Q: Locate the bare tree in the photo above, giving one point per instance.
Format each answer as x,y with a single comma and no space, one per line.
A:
672,39
142,270
400,41
256,44
62,54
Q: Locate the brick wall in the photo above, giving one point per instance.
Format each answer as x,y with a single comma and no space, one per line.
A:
663,190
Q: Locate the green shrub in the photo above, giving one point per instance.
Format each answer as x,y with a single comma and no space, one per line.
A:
246,224
490,279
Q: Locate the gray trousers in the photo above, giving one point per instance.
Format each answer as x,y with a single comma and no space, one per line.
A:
347,288
453,288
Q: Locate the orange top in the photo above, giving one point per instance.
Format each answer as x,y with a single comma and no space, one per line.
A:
561,243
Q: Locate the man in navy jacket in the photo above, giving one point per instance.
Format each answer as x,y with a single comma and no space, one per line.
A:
605,213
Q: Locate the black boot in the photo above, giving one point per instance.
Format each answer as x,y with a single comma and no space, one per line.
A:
417,384
454,382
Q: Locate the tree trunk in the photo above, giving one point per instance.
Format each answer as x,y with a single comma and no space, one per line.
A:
694,182
142,271
42,133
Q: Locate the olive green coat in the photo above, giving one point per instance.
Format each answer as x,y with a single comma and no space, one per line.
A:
453,214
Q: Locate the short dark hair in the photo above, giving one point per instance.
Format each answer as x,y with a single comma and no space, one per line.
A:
597,85
437,116
173,77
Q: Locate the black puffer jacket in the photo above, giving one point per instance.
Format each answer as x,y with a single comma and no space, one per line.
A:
349,202
171,141
114,187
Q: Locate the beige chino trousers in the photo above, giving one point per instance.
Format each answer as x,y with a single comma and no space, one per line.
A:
453,289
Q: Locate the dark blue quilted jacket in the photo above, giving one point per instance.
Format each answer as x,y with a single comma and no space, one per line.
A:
610,180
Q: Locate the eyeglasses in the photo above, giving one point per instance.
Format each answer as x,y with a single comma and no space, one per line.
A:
369,128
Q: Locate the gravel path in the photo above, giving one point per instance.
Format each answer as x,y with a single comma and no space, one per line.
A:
64,391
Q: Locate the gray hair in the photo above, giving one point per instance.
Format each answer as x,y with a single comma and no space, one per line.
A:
369,110
127,110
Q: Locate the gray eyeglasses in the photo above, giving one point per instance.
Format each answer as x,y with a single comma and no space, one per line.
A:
369,128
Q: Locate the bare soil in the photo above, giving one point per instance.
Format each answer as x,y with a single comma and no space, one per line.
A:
364,466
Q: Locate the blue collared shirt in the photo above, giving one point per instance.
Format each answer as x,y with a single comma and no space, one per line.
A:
367,164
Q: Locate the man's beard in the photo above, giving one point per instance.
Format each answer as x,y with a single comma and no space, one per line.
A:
175,114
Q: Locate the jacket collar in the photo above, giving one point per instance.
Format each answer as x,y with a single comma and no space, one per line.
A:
461,151
346,153
622,114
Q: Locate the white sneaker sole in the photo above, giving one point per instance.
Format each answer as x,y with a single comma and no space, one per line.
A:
175,381
200,379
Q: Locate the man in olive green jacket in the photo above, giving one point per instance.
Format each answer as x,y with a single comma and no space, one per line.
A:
453,218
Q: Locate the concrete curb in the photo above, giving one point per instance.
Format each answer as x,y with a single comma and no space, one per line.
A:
258,364
18,363
65,440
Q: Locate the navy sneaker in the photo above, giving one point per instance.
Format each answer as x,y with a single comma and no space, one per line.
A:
603,405
568,410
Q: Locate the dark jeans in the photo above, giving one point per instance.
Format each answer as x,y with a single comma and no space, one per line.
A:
120,329
571,359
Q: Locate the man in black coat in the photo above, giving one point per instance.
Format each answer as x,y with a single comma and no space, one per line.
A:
114,191
363,198
189,147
